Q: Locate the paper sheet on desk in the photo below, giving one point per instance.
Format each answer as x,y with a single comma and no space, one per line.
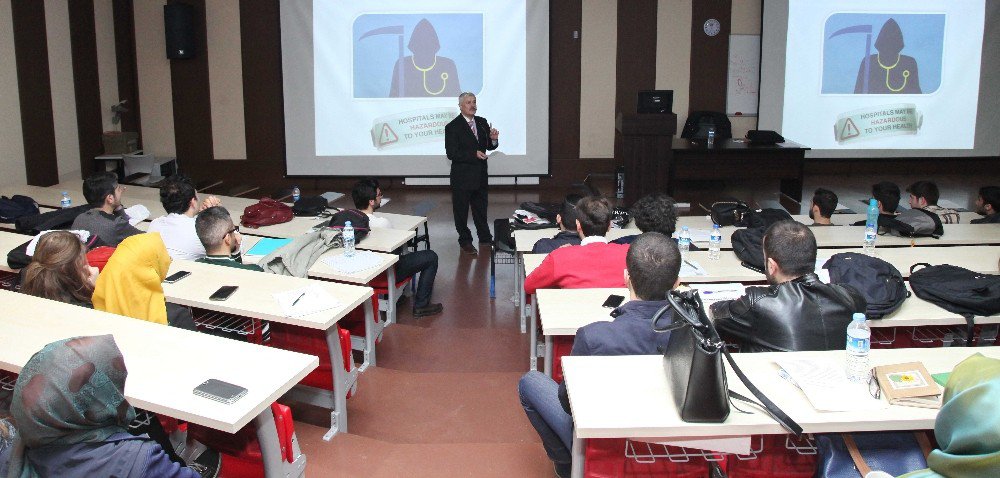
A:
825,384
360,261
698,235
311,299
712,293
137,214
692,268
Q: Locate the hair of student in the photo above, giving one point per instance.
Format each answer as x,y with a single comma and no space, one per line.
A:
59,269
926,190
991,196
826,200
653,262
99,186
887,193
655,213
792,245
594,214
176,194
568,213
212,225
364,190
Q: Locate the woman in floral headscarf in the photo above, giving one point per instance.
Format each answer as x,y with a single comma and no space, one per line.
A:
72,417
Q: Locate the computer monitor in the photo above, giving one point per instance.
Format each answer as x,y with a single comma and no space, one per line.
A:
656,102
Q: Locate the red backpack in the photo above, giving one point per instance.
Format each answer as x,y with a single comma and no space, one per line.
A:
265,213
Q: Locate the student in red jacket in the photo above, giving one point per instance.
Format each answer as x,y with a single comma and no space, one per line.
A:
594,263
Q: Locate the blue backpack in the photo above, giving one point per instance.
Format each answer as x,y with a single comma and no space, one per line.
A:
878,281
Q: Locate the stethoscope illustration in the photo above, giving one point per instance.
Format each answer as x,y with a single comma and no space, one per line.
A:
906,73
444,76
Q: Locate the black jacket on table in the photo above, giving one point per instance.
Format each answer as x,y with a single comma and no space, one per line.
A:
801,314
467,171
991,219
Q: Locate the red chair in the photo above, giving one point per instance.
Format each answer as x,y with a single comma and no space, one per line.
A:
241,454
381,286
781,456
605,458
562,345
313,342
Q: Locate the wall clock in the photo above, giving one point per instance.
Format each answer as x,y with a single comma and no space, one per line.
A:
712,27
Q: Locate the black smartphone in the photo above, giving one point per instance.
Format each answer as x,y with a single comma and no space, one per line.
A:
613,301
176,276
223,293
220,391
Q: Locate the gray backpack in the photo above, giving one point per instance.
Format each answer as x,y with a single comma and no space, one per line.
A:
915,223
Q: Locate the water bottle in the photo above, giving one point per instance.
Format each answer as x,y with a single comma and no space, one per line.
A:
715,243
871,227
620,182
65,202
858,345
684,241
296,194
348,239
711,137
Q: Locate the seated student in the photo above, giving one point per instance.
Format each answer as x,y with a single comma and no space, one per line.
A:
886,194
131,283
594,263
180,200
367,196
966,427
72,416
823,205
653,263
59,270
988,204
924,195
221,239
7,433
653,213
567,228
106,220
797,311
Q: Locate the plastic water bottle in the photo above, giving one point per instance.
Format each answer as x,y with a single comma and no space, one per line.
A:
715,243
620,182
296,194
684,241
871,227
859,343
348,239
65,202
711,137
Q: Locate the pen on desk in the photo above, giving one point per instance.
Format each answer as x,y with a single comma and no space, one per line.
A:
690,264
296,301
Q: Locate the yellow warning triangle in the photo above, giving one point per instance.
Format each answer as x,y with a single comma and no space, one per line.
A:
849,130
388,136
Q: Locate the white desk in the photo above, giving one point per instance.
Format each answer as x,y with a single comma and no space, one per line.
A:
165,364
254,299
629,397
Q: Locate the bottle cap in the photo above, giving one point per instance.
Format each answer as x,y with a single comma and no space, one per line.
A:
348,223
684,228
873,202
858,316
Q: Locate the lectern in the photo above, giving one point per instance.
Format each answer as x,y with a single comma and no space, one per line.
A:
644,142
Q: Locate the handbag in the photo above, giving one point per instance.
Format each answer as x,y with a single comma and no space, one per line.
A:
854,455
728,213
265,213
692,361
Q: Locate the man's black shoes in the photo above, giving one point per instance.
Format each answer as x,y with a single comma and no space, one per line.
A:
427,310
468,249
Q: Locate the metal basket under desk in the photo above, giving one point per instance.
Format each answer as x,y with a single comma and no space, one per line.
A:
647,453
234,326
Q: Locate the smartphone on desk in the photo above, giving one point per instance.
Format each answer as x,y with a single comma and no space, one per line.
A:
176,276
613,301
220,391
223,293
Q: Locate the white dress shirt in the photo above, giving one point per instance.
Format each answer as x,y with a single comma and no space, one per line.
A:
178,234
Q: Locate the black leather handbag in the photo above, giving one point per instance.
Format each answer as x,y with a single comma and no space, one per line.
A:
728,213
692,361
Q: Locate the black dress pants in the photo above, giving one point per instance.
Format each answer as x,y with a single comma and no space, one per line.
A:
461,200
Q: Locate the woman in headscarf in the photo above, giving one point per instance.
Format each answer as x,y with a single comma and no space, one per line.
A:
72,417
59,270
968,426
131,283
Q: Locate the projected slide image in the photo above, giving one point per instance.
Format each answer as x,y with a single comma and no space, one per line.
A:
417,55
866,53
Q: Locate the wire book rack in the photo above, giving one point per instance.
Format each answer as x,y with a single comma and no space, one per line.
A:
647,453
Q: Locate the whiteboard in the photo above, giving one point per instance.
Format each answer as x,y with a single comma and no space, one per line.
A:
744,75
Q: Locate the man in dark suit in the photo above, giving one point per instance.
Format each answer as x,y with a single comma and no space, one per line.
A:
466,140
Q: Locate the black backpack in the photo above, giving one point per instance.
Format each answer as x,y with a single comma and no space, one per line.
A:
311,206
763,217
359,221
915,223
878,281
748,245
58,219
957,289
16,207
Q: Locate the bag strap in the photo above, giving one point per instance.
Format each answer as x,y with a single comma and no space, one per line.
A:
970,324
914,266
938,226
925,444
852,448
776,413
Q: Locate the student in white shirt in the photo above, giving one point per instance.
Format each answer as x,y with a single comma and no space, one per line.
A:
367,196
180,200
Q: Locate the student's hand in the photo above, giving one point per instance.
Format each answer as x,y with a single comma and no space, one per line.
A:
210,201
92,277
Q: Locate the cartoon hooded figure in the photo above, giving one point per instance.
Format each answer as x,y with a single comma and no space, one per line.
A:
889,72
424,73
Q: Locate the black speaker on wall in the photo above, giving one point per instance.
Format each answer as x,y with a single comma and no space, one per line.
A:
178,23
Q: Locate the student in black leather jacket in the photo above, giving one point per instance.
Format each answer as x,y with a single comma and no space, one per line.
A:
797,311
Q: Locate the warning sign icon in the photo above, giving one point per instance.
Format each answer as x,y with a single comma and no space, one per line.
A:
387,137
849,130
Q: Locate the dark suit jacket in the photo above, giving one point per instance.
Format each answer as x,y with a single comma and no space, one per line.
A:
467,171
